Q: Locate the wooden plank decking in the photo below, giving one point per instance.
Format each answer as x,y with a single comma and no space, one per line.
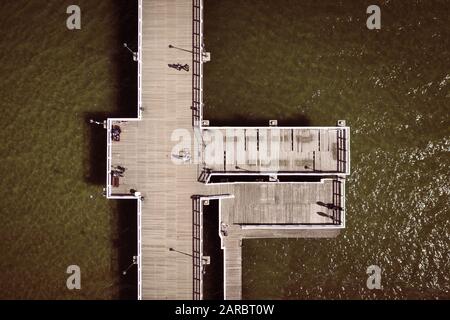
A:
280,203
272,149
167,188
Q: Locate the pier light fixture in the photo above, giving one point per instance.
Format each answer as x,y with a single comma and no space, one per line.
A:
135,54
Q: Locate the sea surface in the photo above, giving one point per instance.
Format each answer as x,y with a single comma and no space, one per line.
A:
313,63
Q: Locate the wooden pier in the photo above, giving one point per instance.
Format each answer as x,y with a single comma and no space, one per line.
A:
143,165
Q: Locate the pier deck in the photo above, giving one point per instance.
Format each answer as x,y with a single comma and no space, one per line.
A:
311,150
167,188
280,203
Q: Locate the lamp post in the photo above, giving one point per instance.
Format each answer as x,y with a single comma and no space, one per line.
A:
205,260
186,254
100,123
204,54
135,54
171,46
132,264
239,168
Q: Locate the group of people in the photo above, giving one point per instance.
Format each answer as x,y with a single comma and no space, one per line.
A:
184,155
118,171
224,228
115,133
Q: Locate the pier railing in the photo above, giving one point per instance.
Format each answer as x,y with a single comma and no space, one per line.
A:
197,69
342,150
337,203
108,156
139,255
197,251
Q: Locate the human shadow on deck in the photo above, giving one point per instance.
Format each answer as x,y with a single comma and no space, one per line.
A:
329,205
125,245
239,120
323,214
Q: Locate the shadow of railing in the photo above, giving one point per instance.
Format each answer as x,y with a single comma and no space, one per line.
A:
196,248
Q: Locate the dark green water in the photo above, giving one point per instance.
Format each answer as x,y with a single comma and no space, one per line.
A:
312,63
52,210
